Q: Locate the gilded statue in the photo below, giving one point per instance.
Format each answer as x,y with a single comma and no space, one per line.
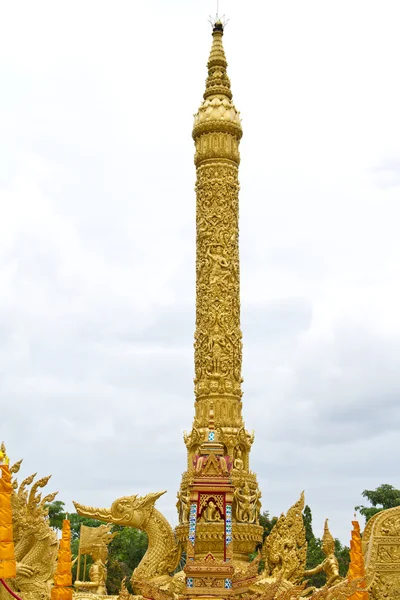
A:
94,542
183,505
329,565
36,543
163,552
211,512
238,462
246,502
97,572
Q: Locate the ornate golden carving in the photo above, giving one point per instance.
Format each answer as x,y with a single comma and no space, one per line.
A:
183,505
163,552
285,549
36,543
218,346
123,592
246,504
381,546
218,339
94,541
217,132
208,576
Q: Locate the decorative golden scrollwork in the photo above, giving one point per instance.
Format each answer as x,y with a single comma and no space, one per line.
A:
381,546
285,549
36,543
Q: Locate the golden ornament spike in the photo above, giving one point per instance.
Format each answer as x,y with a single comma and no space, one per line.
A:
16,467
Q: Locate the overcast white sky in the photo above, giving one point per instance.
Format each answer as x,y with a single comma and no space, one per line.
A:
97,243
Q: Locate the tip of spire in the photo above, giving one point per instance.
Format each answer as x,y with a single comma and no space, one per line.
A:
218,23
218,26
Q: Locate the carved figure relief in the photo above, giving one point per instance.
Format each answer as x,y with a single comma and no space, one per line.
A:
238,462
218,337
183,505
381,546
211,512
246,502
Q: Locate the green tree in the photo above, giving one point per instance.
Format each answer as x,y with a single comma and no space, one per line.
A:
56,514
307,520
267,523
385,496
125,553
315,556
343,556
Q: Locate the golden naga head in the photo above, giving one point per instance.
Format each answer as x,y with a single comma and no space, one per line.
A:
328,543
129,511
30,510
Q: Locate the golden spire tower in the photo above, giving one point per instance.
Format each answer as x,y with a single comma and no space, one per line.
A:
218,339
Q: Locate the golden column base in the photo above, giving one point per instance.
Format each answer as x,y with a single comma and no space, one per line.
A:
208,577
210,538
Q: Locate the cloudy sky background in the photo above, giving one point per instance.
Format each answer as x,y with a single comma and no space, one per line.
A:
97,243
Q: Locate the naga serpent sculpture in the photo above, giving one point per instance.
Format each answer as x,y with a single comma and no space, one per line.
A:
34,540
163,552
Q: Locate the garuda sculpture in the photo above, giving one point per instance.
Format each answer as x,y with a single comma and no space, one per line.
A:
35,541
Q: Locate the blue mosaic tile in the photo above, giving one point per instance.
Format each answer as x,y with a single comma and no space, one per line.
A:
211,436
228,584
189,582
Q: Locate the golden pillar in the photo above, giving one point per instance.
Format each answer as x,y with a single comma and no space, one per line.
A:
218,339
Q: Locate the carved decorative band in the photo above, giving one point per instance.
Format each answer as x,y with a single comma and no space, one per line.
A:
218,126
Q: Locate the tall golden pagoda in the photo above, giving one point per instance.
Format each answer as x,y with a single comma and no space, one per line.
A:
219,498
218,339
